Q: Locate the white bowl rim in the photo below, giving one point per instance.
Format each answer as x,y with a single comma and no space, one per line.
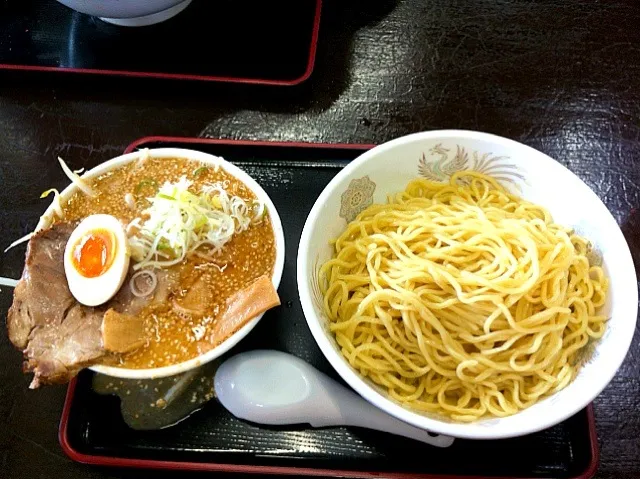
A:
122,9
152,373
460,430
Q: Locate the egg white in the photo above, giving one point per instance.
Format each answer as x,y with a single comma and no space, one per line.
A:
100,289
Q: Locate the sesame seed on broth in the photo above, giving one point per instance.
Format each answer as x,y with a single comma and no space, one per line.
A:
179,330
177,336
141,179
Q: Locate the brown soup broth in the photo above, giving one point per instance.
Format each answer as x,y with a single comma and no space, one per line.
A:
174,334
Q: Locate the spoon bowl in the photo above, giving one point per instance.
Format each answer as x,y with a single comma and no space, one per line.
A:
276,388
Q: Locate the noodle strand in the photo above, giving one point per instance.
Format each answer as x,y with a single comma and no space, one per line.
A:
462,299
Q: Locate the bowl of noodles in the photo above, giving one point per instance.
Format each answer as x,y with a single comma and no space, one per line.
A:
467,284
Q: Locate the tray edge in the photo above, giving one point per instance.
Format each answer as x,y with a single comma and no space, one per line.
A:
187,76
106,461
225,141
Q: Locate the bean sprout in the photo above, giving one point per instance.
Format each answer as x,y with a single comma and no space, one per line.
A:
76,180
128,199
24,239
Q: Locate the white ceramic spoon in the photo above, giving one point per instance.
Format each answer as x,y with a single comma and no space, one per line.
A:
272,387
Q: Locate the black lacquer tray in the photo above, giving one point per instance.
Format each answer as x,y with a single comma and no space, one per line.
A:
93,431
246,41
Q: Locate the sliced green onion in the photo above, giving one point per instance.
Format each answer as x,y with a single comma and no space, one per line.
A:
146,182
179,222
200,170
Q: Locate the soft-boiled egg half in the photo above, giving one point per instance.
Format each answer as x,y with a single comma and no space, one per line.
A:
96,259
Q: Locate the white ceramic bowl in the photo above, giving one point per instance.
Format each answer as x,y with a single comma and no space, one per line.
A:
437,154
277,269
130,13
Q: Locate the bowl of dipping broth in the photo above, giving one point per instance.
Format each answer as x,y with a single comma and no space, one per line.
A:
183,242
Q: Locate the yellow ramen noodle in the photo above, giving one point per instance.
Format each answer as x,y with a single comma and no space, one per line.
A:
462,299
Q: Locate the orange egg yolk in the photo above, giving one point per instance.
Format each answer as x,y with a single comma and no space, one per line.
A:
93,254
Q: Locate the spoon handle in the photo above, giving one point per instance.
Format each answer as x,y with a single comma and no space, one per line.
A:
351,410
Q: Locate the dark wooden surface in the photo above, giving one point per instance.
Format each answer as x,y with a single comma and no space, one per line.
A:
560,75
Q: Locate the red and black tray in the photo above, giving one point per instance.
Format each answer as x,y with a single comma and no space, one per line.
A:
92,430
241,41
